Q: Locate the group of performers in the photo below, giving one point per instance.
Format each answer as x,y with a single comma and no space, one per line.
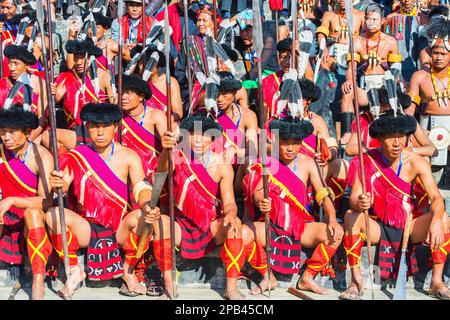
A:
238,149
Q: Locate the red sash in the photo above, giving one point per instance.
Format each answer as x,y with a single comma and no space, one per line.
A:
101,193
126,27
158,99
232,138
16,180
143,142
271,91
74,100
365,120
309,146
288,195
196,194
102,63
392,195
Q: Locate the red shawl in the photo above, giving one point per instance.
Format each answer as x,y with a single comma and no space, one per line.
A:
196,194
74,100
288,195
392,195
101,193
126,27
16,180
271,91
143,142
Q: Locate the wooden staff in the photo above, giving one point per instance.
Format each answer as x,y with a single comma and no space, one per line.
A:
349,15
144,29
120,67
52,118
188,64
215,18
170,162
258,42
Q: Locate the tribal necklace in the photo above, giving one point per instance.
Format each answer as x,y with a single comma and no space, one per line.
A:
372,55
206,163
110,154
141,120
294,169
443,96
24,158
400,165
343,27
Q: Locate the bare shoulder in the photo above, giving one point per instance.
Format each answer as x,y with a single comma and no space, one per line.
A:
390,39
327,16
417,161
420,75
42,153
126,153
156,116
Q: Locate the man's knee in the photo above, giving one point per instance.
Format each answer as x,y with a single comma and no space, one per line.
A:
247,234
33,214
351,219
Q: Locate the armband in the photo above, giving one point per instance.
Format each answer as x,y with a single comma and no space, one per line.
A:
139,187
391,58
324,192
323,30
331,142
416,100
357,57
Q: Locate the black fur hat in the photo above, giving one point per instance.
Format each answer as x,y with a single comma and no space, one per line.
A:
310,91
228,83
83,47
284,45
20,52
388,124
100,19
18,17
152,48
135,83
17,118
230,52
202,121
289,128
403,99
103,113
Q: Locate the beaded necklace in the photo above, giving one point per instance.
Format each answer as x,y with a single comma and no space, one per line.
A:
441,96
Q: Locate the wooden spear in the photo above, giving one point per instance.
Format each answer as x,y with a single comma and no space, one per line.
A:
349,15
169,128
52,117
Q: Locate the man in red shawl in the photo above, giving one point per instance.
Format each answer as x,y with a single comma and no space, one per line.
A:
206,211
390,173
291,225
24,184
99,217
132,26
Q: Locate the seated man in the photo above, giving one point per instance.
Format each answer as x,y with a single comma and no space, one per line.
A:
240,127
206,212
24,185
98,174
19,60
143,126
390,172
291,225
